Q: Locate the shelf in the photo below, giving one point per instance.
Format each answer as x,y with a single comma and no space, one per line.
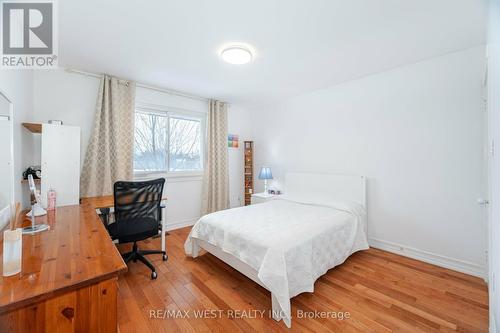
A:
33,127
248,171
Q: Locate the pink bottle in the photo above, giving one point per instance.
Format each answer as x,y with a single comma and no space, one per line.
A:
51,199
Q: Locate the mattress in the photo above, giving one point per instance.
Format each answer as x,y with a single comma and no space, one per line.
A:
290,242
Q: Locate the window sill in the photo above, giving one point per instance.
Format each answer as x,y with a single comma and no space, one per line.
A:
170,176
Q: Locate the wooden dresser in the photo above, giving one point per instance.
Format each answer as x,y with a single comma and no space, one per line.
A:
68,281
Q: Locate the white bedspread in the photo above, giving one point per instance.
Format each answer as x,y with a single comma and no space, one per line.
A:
290,242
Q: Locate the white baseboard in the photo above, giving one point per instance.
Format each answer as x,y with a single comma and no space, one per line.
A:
180,224
431,258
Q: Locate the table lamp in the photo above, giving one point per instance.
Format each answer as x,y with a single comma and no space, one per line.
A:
265,173
36,210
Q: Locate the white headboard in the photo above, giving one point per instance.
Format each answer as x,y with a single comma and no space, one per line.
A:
337,186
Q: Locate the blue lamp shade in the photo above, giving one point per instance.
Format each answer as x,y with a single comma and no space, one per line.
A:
265,173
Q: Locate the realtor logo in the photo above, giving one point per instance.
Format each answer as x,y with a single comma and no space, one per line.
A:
29,34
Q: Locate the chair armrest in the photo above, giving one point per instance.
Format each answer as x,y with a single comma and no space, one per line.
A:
160,216
105,212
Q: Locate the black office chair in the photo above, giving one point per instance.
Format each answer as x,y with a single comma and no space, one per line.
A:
137,217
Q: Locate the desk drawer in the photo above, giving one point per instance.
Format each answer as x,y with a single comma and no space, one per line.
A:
88,309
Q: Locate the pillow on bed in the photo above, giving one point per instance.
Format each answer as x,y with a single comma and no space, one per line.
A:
319,199
352,207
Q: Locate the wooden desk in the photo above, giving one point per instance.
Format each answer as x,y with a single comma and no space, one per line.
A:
68,281
103,202
98,202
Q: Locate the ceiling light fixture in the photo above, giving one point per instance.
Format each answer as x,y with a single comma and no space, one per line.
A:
236,55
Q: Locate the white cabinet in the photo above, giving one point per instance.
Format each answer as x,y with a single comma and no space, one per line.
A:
6,162
61,163
6,172
262,197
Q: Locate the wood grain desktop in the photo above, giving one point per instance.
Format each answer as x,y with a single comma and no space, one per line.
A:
68,281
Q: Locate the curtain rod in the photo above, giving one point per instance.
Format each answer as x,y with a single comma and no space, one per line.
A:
145,86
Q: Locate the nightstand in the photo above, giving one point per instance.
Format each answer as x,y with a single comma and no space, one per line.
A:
262,197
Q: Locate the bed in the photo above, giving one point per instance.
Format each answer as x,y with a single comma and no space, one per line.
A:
287,243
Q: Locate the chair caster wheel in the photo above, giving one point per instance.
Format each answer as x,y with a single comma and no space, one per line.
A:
164,257
153,275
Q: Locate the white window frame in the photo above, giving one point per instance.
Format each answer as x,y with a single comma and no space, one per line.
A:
168,112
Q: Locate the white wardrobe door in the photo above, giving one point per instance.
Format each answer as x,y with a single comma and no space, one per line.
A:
61,163
6,174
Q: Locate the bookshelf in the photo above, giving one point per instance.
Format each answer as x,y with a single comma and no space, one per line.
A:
248,171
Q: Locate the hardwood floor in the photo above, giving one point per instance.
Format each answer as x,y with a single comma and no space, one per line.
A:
382,292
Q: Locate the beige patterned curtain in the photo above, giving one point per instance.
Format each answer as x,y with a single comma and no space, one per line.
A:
216,178
109,155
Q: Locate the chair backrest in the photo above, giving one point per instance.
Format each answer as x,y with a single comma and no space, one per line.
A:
138,199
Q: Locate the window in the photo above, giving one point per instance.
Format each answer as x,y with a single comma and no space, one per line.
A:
185,144
150,142
165,142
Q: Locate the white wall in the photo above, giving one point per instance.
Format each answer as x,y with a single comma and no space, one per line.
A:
494,135
415,132
17,85
72,98
58,95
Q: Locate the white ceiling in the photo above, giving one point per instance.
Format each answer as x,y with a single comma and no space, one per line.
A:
300,45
